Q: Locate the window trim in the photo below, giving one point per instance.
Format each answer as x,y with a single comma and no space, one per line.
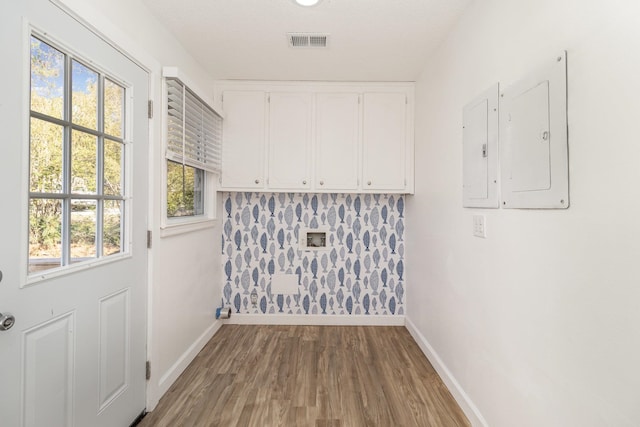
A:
186,224
32,278
40,276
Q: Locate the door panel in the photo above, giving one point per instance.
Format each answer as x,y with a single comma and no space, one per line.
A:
290,117
384,141
337,138
48,372
115,327
243,149
76,354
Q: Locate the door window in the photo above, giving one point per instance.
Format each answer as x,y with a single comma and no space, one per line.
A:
77,200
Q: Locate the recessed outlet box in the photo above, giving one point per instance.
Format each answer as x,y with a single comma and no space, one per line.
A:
314,240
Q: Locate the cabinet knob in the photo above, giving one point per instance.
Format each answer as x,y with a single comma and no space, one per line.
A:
304,182
321,182
368,182
257,181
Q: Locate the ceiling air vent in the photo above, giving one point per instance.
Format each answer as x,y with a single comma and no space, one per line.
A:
302,40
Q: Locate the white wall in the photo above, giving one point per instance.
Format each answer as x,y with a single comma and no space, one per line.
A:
539,324
185,273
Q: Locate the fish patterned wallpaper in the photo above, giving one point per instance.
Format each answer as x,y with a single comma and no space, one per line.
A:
361,272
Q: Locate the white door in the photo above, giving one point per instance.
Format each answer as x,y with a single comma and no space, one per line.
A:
384,141
337,138
244,135
290,117
73,171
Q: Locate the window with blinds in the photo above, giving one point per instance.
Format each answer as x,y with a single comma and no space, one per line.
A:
194,130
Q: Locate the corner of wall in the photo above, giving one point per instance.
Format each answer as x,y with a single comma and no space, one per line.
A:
166,379
462,398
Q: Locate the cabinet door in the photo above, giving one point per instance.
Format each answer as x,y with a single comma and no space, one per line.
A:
290,117
337,135
243,139
384,141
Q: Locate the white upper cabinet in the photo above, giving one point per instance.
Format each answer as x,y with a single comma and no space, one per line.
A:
317,137
290,118
337,139
243,147
384,142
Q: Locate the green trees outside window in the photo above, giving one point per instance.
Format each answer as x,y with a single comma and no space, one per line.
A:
185,190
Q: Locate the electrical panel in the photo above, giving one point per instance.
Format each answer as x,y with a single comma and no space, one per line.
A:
480,150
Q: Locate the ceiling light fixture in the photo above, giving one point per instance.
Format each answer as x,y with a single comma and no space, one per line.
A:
307,3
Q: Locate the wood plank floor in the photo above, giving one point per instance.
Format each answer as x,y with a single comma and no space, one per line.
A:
320,376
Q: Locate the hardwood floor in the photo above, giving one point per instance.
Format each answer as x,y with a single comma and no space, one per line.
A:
321,376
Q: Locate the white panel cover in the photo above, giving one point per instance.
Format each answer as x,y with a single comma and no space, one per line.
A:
530,161
286,284
480,150
533,133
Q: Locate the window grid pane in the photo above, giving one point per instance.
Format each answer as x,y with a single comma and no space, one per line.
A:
47,79
113,109
185,190
45,234
83,230
46,156
84,96
84,148
112,227
76,200
113,163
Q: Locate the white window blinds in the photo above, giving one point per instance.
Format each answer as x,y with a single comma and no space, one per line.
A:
194,130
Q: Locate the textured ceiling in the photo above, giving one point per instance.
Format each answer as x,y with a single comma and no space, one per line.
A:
370,40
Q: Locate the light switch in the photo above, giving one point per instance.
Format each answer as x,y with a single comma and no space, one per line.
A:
479,229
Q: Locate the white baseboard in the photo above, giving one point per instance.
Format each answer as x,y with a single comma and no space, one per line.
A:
315,319
187,357
464,401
